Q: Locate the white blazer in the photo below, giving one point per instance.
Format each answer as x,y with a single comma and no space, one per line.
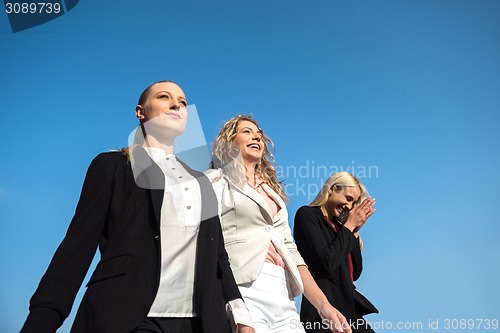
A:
248,229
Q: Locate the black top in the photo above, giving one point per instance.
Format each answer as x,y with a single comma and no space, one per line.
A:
326,254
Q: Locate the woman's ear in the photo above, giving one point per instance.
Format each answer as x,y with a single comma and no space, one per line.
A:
139,113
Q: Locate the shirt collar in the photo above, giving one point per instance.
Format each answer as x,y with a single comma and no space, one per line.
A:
158,154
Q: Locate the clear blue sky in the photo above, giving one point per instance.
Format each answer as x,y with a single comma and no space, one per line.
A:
404,93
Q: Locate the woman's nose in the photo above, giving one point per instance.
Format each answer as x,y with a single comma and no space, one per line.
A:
175,105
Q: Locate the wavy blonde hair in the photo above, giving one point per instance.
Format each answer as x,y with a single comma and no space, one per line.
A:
226,155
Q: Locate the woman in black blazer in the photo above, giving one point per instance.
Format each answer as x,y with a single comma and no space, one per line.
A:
326,234
120,211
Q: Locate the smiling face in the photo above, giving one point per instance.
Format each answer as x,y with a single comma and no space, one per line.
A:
163,111
341,199
249,141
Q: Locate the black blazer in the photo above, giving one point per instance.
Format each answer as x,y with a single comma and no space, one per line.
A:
123,220
326,255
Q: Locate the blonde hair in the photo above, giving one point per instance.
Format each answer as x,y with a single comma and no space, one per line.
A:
226,155
340,180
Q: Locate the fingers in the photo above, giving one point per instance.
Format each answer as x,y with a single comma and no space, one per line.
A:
333,323
365,209
368,202
336,321
345,324
346,328
339,324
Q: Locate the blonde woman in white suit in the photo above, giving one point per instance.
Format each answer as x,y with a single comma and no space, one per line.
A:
266,265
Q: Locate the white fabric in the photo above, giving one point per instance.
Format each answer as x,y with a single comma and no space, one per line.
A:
238,313
180,220
270,303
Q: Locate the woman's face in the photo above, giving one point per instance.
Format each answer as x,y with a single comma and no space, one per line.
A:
341,199
249,141
164,113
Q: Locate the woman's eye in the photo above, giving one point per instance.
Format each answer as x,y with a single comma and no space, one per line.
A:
164,96
349,199
184,103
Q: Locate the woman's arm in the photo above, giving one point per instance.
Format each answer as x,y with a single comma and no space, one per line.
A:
237,311
317,298
236,308
54,297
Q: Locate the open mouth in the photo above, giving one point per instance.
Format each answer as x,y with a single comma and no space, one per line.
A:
254,146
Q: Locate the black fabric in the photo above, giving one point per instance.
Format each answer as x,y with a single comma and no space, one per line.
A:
326,255
170,325
122,220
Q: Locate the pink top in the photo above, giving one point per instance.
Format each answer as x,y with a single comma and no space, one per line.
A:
273,256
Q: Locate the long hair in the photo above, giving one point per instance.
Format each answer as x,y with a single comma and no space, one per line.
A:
340,180
226,155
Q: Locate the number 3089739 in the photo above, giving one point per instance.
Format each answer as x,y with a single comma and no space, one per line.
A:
33,8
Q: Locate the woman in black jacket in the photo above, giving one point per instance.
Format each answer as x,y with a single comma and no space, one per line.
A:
162,268
326,233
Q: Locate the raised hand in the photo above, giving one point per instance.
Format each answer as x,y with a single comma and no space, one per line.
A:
359,214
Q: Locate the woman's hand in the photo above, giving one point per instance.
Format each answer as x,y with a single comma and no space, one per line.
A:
331,317
359,214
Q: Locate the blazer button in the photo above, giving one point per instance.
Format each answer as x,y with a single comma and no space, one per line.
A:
269,228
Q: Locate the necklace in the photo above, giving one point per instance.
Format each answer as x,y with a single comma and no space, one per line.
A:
256,182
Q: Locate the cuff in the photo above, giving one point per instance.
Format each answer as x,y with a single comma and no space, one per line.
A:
298,260
238,313
41,320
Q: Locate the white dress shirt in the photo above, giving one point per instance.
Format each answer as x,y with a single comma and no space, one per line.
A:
179,224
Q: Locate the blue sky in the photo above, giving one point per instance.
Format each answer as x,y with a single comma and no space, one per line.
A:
408,90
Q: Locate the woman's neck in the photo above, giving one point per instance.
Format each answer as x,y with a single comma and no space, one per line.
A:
250,167
167,147
325,212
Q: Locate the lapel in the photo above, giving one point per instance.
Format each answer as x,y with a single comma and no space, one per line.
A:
149,176
257,198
